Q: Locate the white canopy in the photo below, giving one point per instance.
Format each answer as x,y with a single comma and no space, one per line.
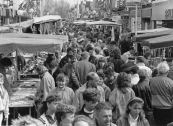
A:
109,23
47,18
23,24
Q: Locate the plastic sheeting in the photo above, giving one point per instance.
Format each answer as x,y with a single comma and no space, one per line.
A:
47,18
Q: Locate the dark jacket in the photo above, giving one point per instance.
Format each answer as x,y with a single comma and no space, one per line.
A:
82,112
63,61
93,60
127,65
81,70
117,64
143,91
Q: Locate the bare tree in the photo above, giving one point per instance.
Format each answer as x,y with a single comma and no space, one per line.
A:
60,7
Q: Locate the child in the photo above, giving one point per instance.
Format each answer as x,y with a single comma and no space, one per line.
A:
101,83
4,100
134,115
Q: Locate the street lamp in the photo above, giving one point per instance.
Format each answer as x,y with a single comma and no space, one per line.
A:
20,13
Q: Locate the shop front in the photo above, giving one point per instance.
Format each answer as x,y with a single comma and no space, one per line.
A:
162,13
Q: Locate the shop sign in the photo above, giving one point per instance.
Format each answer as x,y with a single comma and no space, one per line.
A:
169,14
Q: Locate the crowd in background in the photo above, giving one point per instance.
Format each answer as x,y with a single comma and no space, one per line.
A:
101,82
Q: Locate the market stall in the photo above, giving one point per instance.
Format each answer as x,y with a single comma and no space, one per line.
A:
140,38
107,23
35,36
25,90
23,24
159,42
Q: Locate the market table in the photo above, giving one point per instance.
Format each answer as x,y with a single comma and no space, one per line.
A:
22,94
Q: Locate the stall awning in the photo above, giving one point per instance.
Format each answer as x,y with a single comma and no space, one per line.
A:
152,30
23,24
109,23
47,18
29,45
159,42
142,37
36,36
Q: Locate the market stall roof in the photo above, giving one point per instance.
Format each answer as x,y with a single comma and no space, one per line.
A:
47,18
159,42
109,23
29,45
81,22
140,38
37,36
23,24
151,30
2,28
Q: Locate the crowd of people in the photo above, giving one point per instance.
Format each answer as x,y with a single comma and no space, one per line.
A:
100,82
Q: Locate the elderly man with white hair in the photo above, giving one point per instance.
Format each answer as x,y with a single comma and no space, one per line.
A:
162,95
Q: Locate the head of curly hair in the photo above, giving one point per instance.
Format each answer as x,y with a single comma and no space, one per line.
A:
63,110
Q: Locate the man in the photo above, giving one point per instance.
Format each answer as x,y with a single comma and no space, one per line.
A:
91,97
131,52
82,69
162,92
103,112
112,45
67,69
92,58
5,63
128,63
141,65
47,83
65,59
92,82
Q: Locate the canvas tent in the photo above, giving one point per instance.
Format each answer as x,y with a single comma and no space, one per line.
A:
36,36
29,45
108,23
142,37
159,42
23,24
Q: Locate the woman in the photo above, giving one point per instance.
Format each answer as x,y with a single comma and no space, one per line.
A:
64,92
65,115
116,60
48,110
100,64
120,96
134,115
82,120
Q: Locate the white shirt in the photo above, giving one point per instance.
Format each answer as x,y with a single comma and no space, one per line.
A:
132,122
